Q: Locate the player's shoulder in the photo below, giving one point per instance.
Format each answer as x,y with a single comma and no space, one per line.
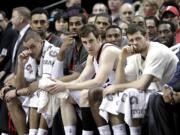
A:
111,48
51,50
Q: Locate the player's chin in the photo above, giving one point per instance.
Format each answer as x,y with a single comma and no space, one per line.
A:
91,53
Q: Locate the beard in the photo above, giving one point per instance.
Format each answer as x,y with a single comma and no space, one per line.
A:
169,42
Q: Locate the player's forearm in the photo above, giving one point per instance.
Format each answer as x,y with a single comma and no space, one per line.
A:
22,92
90,84
120,71
69,78
33,87
135,84
20,80
28,90
61,55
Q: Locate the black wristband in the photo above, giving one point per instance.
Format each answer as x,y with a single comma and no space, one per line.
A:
17,95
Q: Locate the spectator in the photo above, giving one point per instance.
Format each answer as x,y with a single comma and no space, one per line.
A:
172,14
114,7
99,8
166,33
151,23
39,23
126,13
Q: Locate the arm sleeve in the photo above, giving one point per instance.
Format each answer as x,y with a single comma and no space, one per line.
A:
154,66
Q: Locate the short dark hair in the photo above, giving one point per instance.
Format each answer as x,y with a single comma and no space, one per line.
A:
31,34
114,27
152,18
104,15
84,20
77,11
87,29
173,28
62,15
133,28
39,10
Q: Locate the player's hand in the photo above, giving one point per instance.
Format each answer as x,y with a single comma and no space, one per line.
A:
10,95
23,57
128,51
2,92
56,88
109,90
168,95
176,97
68,41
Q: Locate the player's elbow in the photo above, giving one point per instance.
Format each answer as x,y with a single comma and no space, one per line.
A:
141,87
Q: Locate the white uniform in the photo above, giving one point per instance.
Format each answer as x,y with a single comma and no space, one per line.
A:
111,77
33,71
160,62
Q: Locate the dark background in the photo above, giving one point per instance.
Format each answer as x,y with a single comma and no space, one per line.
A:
8,5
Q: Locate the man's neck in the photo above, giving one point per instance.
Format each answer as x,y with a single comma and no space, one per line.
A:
144,53
114,13
42,48
98,49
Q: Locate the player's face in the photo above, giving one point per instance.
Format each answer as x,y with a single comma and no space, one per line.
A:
138,40
102,23
114,36
75,23
39,23
34,48
91,43
165,35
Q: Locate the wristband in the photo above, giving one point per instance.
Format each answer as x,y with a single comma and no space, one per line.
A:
17,95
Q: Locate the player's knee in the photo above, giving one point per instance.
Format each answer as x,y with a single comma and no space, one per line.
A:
13,104
66,102
95,95
84,101
63,102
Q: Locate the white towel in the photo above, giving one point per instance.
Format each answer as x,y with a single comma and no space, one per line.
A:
43,83
30,70
49,104
109,105
132,103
